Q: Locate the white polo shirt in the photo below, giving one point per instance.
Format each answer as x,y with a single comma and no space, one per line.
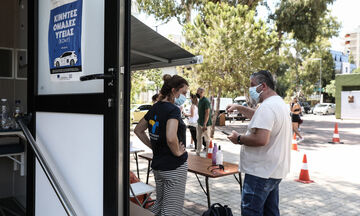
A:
273,159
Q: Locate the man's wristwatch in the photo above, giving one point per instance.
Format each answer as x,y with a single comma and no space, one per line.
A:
238,140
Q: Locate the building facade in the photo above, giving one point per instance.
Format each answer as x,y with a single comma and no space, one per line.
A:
352,45
341,62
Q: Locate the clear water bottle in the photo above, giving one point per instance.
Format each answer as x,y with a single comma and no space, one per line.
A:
4,113
17,109
17,113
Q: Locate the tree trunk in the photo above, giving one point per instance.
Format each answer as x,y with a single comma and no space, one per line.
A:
216,113
188,13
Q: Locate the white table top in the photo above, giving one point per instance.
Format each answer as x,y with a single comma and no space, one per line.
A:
135,150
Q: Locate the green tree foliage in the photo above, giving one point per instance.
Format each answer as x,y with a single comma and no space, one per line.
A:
233,44
331,88
182,10
306,19
356,71
154,76
233,49
142,81
302,73
138,85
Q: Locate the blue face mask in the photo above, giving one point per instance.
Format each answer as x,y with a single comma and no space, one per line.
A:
180,100
254,94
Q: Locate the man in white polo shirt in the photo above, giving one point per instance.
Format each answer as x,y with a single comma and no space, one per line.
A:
265,150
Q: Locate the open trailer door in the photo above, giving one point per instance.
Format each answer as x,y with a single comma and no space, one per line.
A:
78,77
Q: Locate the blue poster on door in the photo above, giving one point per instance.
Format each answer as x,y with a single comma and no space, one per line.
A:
65,39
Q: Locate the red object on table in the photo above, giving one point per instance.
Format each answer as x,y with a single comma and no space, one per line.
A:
210,150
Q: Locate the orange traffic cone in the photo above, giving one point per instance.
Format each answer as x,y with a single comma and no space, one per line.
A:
210,150
336,137
304,173
294,143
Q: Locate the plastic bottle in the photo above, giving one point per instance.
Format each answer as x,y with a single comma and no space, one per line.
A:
210,150
214,154
17,109
4,110
17,113
219,157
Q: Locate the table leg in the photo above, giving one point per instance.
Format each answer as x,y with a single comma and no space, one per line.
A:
240,182
148,173
207,191
137,165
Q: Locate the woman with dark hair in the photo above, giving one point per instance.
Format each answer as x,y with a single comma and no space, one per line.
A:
168,141
295,117
193,118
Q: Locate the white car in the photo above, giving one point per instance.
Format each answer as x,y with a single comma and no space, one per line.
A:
67,58
324,109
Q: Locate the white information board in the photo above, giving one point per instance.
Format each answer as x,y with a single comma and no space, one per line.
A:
350,108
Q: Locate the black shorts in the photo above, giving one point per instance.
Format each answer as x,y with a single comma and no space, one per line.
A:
295,118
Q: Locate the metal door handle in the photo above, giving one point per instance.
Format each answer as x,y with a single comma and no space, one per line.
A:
96,76
100,76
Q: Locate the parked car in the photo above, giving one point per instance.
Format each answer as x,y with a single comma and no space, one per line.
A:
324,109
139,111
67,58
305,107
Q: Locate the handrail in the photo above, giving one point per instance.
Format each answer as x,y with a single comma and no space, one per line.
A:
49,174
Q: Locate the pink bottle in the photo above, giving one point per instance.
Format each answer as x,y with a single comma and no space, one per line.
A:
214,154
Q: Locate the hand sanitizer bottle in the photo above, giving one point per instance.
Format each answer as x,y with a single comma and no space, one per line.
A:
219,157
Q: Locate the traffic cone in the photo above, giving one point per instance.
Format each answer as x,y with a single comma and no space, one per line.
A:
294,143
336,137
304,173
210,150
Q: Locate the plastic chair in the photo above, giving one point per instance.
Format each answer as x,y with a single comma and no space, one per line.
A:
138,189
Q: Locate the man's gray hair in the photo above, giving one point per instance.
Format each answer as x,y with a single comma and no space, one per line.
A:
264,76
201,89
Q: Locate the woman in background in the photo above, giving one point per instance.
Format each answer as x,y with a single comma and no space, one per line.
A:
167,140
193,117
295,116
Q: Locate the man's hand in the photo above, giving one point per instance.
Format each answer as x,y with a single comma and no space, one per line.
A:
231,107
233,137
204,128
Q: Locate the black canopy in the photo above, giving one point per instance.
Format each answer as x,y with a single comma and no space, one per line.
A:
151,50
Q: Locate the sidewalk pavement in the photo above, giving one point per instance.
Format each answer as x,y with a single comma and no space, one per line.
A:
334,168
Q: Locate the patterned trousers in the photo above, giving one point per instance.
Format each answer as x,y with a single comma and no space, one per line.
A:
170,191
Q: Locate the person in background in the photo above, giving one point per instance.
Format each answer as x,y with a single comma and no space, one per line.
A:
167,140
265,148
204,119
295,117
193,118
